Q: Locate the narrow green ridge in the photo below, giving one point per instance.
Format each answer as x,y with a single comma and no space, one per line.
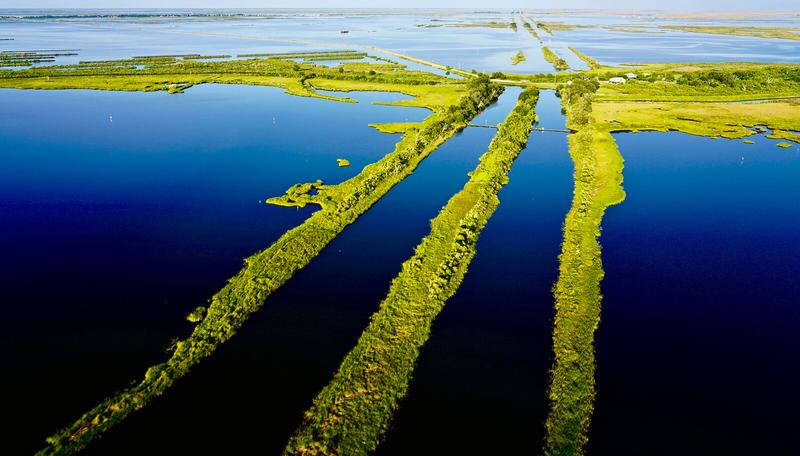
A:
557,62
268,270
354,410
593,64
598,179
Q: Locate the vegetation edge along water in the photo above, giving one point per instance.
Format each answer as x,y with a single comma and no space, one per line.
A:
598,179
353,411
266,271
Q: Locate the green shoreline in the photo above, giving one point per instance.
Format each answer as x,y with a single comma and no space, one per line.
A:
557,62
354,410
269,269
598,179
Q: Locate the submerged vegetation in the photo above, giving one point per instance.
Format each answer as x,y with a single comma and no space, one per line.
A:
557,62
598,179
269,269
351,414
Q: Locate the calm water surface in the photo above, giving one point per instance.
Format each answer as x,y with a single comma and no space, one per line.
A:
697,349
123,211
253,391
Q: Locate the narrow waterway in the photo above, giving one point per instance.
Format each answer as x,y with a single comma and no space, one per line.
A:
483,373
121,212
253,391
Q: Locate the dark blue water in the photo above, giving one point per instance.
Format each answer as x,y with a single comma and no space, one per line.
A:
697,351
252,393
483,373
113,228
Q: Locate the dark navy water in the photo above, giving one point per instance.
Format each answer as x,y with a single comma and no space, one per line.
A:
254,390
697,350
483,373
123,211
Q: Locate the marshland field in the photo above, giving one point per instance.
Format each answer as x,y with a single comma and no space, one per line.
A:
395,232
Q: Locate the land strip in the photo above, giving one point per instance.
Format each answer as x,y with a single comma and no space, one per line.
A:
268,270
598,179
351,414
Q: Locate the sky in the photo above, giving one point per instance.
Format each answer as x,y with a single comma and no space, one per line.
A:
714,5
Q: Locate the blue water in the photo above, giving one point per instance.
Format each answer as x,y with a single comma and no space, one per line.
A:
483,373
480,48
114,228
697,348
256,387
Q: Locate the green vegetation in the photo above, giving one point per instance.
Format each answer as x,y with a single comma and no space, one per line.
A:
557,62
311,56
728,120
486,24
787,135
175,75
598,179
343,163
704,82
531,30
350,414
518,57
266,271
207,57
550,27
196,315
784,145
593,64
760,32
394,128
747,141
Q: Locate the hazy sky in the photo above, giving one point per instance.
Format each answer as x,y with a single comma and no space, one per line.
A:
721,5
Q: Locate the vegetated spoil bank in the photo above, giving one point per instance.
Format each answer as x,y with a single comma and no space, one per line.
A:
483,373
288,350
266,271
146,213
351,414
557,62
598,178
706,238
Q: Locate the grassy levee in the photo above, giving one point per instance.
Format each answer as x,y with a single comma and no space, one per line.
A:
174,75
266,271
593,64
598,179
727,120
352,412
557,62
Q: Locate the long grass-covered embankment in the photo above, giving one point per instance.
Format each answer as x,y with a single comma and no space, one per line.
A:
557,62
593,64
530,29
268,270
175,74
598,179
352,412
